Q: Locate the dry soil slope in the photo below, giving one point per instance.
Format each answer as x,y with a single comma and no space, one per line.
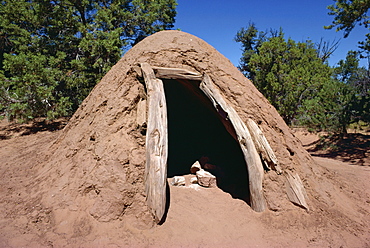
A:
91,182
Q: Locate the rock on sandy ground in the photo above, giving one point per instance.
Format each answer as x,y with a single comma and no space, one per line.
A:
197,217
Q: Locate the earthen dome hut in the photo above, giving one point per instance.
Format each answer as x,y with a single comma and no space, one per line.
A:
100,167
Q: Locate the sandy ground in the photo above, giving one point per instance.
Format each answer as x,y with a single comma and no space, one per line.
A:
197,216
83,186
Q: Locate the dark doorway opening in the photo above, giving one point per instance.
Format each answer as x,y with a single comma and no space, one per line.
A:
194,131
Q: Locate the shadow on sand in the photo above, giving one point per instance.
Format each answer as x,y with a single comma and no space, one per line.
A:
38,125
352,147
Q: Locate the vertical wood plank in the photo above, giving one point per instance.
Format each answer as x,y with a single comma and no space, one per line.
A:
253,161
296,191
263,147
141,113
156,144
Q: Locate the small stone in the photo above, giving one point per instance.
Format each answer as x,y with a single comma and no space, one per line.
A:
193,180
206,179
178,181
195,167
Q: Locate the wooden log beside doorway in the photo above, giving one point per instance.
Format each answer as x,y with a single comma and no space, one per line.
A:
157,137
156,144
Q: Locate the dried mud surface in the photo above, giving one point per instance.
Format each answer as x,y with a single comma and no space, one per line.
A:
197,217
83,185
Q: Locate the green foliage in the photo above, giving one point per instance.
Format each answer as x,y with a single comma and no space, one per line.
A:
360,126
342,100
295,78
289,74
251,39
357,79
329,109
348,13
52,53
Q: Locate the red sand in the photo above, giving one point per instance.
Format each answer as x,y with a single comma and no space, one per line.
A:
83,186
198,217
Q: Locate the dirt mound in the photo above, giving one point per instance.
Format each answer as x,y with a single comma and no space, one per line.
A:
197,216
85,187
98,161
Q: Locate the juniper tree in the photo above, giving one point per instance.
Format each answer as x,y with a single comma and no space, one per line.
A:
53,52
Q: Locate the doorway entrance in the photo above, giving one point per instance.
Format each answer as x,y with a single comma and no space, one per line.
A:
195,131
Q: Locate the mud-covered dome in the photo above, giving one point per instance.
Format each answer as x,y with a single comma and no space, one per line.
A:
96,171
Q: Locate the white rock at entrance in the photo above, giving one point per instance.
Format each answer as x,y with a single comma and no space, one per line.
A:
206,179
193,180
195,167
178,181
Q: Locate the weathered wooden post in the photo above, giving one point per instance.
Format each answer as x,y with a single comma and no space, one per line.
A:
156,140
156,144
251,156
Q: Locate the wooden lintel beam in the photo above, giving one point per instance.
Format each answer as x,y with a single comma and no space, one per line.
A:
176,73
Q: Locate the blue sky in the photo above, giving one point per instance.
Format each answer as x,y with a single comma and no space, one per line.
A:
217,22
